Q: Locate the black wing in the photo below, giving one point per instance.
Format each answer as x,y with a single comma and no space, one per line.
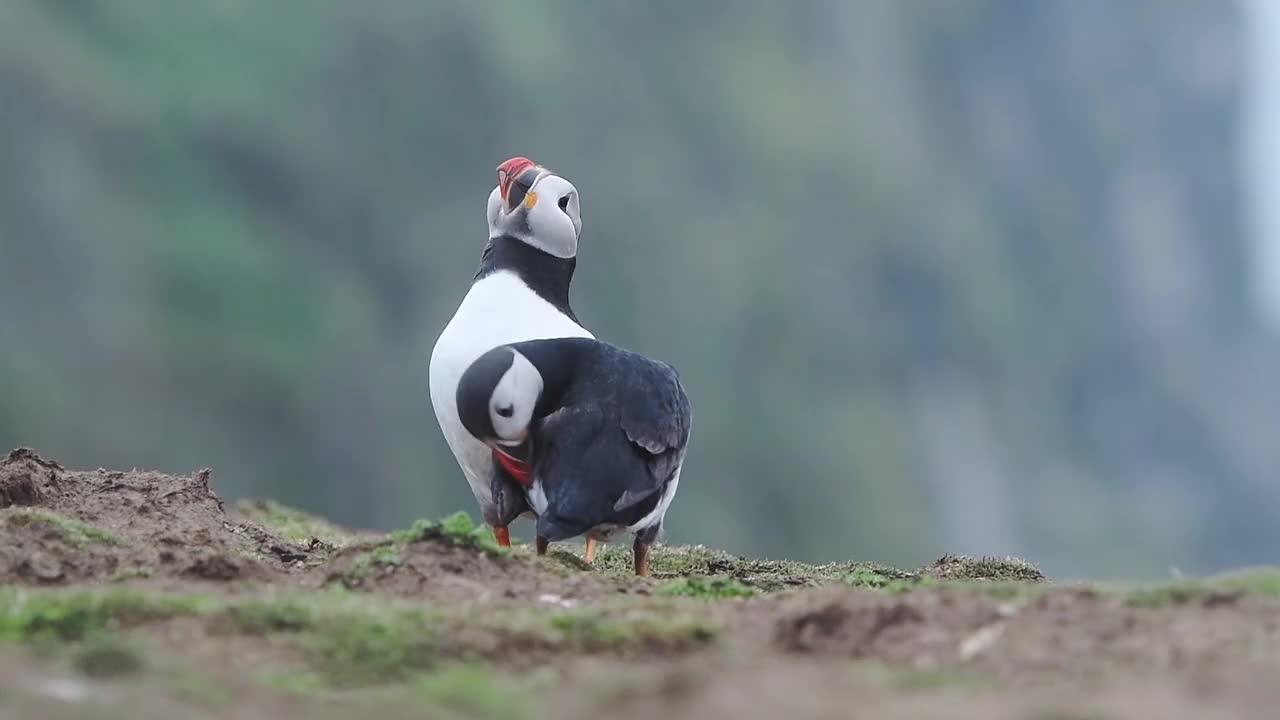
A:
654,408
656,416
610,465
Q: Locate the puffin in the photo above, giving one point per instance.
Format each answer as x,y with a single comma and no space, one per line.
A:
520,292
603,430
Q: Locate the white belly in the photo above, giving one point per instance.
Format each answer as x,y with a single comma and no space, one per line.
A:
499,309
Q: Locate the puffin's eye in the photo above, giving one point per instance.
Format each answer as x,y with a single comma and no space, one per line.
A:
506,411
516,194
564,203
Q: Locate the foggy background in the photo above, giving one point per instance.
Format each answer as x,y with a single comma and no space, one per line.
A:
995,276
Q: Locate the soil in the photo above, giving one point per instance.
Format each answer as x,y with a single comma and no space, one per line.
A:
163,526
941,648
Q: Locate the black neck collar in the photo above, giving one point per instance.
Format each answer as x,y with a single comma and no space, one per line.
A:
545,274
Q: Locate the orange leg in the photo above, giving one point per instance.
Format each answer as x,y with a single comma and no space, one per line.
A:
502,535
589,555
640,554
541,544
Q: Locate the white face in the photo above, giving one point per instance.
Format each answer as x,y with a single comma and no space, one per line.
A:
545,215
513,401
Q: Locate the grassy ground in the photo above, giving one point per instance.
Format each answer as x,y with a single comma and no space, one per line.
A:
142,596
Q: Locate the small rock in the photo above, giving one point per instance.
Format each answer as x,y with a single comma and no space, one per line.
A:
981,639
556,600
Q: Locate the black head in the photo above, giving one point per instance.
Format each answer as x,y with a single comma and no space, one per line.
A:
497,397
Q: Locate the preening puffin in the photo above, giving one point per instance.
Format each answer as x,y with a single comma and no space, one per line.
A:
520,292
604,430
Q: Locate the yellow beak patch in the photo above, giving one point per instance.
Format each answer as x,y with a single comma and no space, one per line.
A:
530,199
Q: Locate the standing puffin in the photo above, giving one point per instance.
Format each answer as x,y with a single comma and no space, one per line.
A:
520,292
604,430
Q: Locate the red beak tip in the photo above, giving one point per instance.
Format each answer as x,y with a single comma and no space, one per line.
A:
510,170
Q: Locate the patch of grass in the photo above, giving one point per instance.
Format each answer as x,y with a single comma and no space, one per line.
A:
263,617
667,561
707,588
292,524
473,691
597,630
877,577
1166,595
108,656
71,531
353,649
457,528
1262,582
367,564
964,567
682,561
27,615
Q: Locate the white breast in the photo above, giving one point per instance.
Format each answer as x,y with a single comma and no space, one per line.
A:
498,309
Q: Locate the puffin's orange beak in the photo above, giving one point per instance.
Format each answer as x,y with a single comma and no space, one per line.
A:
510,170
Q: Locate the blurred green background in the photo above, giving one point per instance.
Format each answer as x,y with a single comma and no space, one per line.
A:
966,276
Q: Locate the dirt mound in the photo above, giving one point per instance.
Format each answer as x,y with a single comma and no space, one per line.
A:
911,628
1047,636
60,526
444,569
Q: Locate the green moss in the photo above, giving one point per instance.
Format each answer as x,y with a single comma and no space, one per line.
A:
354,639
71,531
457,528
352,649
263,618
367,564
27,615
707,588
292,524
877,577
771,575
473,691
107,656
681,561
596,630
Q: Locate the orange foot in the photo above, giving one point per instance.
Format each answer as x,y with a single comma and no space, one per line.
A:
589,555
640,555
502,535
